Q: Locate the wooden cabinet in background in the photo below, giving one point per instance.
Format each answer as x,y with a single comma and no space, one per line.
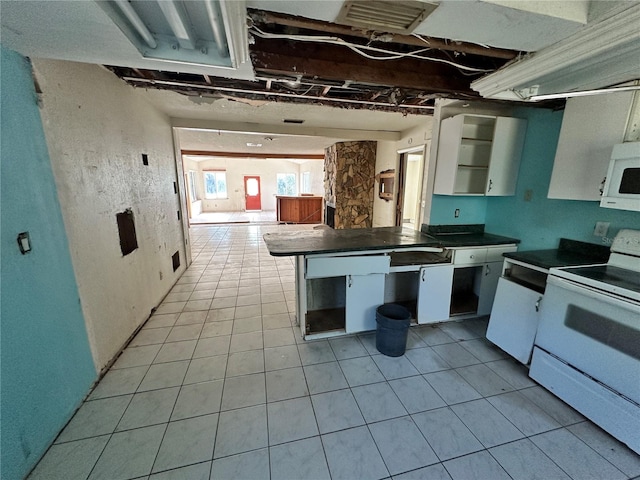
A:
304,209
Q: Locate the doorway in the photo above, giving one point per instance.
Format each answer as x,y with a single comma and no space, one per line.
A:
252,193
410,173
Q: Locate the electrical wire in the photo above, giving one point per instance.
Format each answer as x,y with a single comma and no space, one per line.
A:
359,49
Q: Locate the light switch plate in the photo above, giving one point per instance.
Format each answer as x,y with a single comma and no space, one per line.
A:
601,229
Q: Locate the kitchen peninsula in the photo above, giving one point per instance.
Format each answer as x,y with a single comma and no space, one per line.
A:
343,275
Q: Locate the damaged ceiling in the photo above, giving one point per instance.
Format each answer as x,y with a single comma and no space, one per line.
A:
299,60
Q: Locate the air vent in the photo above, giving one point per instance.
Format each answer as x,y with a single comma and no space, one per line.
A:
385,16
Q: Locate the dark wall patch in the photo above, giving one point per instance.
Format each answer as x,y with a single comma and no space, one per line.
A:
175,258
127,231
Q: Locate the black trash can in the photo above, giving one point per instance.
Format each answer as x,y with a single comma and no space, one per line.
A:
393,326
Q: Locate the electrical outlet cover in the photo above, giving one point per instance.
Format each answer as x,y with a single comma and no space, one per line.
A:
601,229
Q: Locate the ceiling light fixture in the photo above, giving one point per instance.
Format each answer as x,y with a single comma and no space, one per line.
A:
210,33
251,144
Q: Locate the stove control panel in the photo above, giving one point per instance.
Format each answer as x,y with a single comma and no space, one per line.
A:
627,242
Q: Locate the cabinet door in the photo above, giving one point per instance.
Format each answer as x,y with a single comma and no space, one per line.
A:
591,126
514,319
364,294
448,151
506,151
488,283
434,294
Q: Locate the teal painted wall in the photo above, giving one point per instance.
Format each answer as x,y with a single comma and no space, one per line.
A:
443,207
541,222
46,362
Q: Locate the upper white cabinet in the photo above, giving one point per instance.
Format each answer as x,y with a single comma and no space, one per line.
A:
479,155
591,126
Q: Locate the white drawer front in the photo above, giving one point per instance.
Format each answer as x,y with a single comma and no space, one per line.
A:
469,256
494,254
338,266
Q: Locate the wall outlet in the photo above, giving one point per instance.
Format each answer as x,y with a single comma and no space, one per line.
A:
601,229
528,195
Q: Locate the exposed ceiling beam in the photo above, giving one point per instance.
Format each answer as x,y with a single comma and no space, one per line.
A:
259,16
337,63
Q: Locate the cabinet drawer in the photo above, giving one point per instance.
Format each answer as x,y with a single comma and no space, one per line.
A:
469,256
339,266
494,254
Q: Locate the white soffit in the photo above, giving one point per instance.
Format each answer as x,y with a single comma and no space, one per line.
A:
236,142
603,54
82,31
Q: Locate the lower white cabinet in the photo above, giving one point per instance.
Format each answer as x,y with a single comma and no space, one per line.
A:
514,319
488,282
434,293
364,294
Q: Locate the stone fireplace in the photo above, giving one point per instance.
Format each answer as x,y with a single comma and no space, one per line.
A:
349,169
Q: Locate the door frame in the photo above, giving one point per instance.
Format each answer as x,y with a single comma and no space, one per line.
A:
246,195
401,182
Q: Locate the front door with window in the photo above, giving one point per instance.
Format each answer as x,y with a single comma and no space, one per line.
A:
252,193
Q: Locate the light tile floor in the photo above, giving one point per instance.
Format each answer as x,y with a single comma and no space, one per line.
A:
218,384
264,216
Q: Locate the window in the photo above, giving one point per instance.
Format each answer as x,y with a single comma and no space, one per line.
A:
215,184
306,182
192,186
286,183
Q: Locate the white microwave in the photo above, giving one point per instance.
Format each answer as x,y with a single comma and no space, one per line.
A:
622,185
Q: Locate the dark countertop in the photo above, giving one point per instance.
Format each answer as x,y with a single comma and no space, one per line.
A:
473,239
569,253
328,240
452,236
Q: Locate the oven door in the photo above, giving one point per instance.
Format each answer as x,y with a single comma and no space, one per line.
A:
594,332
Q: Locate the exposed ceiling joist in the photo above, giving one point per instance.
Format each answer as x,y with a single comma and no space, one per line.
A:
281,57
262,17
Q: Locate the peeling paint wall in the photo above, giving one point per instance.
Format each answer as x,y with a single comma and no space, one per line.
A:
97,129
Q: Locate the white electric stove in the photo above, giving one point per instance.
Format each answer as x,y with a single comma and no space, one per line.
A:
587,346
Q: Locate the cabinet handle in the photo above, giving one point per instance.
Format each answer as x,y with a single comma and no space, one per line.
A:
350,281
487,271
538,304
490,185
423,272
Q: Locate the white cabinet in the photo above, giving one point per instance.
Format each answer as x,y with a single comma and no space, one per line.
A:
364,294
434,293
514,319
514,316
490,274
479,155
338,294
591,126
476,274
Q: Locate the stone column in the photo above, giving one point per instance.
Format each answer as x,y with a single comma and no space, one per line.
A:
349,182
